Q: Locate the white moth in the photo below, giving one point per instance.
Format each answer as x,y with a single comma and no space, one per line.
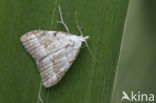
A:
53,51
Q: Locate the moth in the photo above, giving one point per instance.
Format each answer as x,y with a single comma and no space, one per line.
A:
53,51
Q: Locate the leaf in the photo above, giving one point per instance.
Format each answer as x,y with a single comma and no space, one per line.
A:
137,63
87,81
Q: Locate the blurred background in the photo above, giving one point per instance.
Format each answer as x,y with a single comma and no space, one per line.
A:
137,66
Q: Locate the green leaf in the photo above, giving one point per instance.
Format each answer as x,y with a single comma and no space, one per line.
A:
87,81
137,61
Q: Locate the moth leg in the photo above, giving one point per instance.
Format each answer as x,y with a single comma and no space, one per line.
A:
62,21
80,30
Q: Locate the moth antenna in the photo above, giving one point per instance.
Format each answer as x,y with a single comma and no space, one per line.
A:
62,21
39,100
79,29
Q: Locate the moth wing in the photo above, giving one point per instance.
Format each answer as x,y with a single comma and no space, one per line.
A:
53,67
40,43
54,52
